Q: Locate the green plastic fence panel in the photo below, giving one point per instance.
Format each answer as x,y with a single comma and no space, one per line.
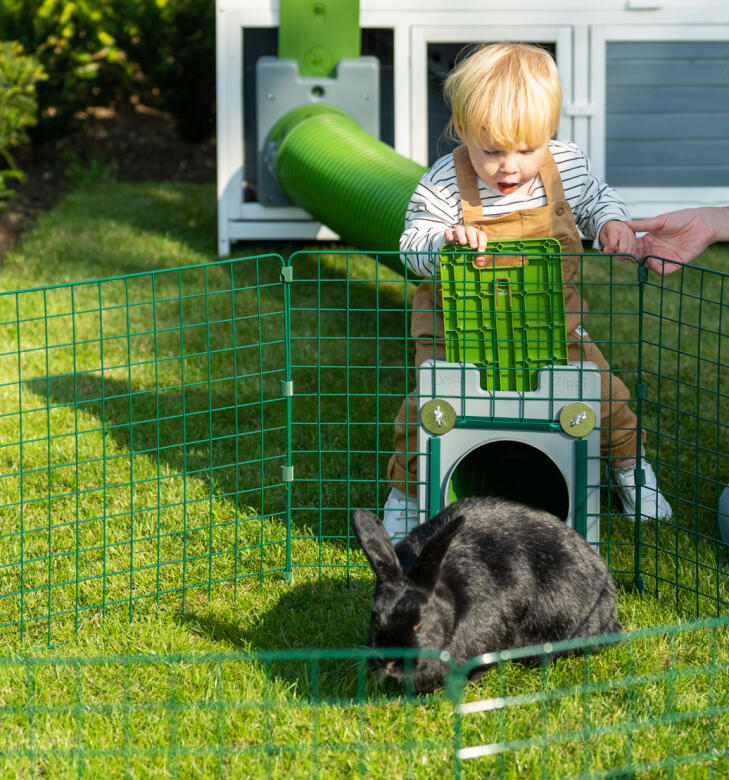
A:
356,185
508,317
318,33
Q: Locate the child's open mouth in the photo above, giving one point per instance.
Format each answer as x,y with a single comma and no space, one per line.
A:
507,189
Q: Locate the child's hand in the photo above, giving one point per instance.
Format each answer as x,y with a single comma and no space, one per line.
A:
473,236
618,239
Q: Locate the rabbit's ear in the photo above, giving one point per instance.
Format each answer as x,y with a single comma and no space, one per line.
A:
377,546
426,568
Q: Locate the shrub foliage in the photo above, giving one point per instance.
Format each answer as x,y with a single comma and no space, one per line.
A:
160,52
19,75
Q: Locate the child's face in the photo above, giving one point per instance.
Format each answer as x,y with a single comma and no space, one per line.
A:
507,171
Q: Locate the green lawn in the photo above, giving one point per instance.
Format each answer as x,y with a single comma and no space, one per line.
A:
123,495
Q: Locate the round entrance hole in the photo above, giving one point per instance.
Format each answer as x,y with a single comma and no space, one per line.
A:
513,470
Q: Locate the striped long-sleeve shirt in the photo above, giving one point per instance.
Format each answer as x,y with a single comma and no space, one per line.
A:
436,204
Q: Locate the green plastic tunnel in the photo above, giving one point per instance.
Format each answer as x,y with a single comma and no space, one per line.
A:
351,182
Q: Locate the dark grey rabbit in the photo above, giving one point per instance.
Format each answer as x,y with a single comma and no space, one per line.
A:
484,574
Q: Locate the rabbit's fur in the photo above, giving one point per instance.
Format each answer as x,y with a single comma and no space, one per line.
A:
484,574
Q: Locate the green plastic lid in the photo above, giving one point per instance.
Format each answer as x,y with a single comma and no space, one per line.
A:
508,317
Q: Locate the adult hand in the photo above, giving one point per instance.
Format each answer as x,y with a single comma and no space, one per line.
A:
680,236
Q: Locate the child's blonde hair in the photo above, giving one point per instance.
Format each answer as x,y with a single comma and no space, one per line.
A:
503,95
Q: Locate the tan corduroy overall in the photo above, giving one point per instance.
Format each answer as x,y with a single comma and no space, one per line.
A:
555,220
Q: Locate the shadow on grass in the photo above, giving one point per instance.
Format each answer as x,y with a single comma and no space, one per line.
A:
327,613
189,431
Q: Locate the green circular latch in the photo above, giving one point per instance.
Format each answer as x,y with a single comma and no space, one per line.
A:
438,416
577,419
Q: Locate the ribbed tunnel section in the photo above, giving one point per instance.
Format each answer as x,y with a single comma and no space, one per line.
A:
355,184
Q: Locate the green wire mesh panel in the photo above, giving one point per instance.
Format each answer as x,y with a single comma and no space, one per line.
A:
508,317
317,713
353,362
143,435
191,428
610,715
685,372
350,365
216,715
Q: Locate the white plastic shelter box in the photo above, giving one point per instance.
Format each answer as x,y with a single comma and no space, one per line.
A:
541,447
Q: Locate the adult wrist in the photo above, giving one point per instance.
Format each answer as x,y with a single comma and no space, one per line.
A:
720,225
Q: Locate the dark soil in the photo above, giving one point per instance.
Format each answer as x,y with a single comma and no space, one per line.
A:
137,143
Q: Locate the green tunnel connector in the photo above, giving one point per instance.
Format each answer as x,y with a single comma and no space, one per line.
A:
353,183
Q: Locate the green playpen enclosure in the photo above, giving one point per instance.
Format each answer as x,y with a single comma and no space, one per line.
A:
206,432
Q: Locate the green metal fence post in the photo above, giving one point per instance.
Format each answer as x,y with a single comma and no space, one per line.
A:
287,275
638,581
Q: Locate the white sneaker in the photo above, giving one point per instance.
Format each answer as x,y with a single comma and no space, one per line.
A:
401,515
653,505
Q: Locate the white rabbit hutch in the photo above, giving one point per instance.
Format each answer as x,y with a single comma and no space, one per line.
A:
645,93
